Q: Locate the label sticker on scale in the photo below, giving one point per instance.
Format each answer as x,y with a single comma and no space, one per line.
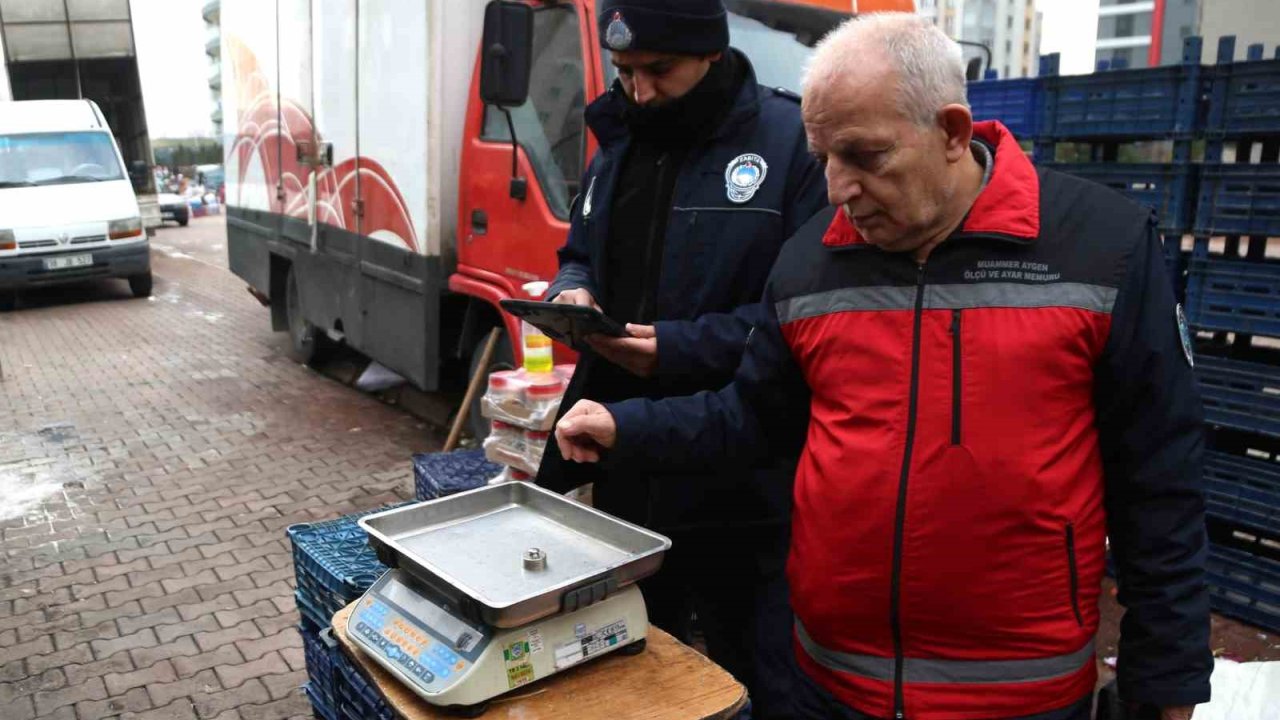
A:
590,644
519,664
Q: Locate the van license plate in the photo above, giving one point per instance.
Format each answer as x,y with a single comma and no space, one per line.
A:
68,261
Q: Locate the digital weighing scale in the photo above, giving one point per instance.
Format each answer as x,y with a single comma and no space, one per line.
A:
497,587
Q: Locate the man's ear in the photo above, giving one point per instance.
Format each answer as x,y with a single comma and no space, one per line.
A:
715,57
956,122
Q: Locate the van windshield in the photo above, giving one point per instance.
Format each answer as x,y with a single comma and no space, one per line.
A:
63,158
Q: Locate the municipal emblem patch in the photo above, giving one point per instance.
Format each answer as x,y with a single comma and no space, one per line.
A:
1184,332
744,176
618,35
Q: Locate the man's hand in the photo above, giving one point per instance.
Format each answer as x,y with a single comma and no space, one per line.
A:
637,354
576,296
1176,713
585,431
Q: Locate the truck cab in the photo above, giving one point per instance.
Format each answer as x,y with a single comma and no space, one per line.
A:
67,208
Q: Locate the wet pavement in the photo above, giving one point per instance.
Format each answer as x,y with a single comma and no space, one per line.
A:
152,452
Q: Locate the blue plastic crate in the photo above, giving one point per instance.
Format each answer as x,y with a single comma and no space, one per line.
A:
1244,586
333,562
1150,103
436,475
1014,102
1233,295
319,649
322,709
1239,199
313,618
1167,188
1245,98
1240,395
359,698
1243,490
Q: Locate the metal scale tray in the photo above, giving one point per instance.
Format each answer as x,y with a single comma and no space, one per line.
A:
469,548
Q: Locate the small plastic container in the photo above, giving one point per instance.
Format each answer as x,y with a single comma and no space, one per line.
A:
538,356
543,395
535,442
507,436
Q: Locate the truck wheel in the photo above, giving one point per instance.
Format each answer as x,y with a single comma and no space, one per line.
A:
503,359
183,221
8,300
140,285
306,340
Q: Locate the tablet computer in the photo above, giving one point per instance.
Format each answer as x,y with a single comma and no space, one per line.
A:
570,324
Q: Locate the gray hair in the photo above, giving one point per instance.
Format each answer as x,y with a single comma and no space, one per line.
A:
930,65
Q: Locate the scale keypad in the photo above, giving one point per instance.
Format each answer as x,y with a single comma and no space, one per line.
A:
409,646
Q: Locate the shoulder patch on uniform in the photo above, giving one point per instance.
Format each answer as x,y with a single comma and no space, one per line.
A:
1184,333
788,94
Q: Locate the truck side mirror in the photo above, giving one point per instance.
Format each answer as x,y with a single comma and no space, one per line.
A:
506,62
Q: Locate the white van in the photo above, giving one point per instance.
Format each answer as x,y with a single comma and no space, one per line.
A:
67,209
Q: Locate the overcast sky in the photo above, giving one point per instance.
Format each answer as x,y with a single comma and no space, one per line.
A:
175,69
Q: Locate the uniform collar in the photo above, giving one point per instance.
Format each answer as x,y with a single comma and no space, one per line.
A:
1008,208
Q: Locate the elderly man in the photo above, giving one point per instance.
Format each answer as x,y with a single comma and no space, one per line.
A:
988,374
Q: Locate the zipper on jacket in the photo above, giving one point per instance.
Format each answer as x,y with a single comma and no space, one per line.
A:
956,393
895,590
1075,578
654,279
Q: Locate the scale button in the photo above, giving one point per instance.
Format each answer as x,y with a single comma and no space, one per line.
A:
460,665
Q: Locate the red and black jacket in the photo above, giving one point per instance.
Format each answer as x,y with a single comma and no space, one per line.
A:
973,429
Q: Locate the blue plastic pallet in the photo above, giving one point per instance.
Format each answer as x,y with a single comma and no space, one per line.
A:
1167,188
1233,295
1014,102
1243,490
320,708
1149,103
436,475
1239,199
1245,96
1240,395
333,562
1244,586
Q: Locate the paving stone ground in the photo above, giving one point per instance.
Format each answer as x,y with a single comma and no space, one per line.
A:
152,453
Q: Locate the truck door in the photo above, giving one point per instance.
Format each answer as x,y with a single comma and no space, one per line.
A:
333,185
513,238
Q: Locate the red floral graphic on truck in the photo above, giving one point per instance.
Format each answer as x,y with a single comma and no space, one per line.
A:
272,132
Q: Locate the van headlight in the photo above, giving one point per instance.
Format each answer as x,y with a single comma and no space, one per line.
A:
126,228
7,241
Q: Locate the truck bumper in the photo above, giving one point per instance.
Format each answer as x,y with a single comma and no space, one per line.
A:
27,271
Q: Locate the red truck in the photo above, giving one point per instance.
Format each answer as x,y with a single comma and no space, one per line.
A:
373,197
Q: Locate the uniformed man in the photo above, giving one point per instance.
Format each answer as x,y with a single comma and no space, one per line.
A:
700,177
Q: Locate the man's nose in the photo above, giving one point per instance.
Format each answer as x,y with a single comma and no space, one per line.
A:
645,91
843,185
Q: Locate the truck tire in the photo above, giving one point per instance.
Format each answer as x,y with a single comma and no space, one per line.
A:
503,359
306,341
8,300
182,222
140,285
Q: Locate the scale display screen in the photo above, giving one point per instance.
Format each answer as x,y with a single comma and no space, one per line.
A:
461,635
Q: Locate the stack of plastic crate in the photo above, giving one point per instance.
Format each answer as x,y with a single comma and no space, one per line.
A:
1116,107
333,566
1233,302
1014,102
